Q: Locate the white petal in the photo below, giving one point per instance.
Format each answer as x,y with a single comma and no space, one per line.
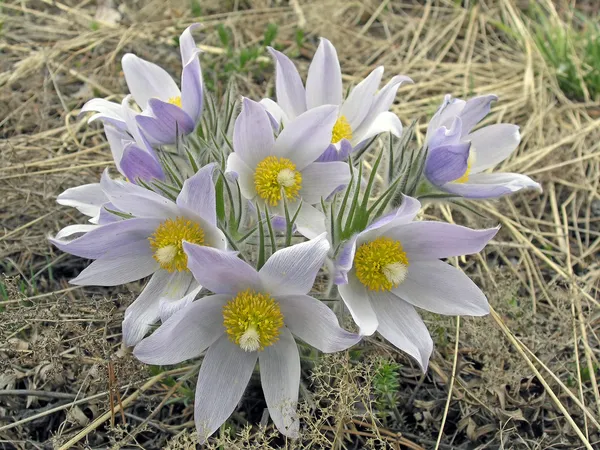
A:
280,378
278,115
293,270
314,323
143,312
400,324
186,334
70,230
306,137
180,291
87,199
383,123
320,179
359,101
222,380
253,134
310,221
245,175
168,307
492,185
354,294
107,111
440,288
146,80
324,81
493,144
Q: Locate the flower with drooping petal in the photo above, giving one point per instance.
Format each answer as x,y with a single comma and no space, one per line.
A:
166,110
149,243
362,115
458,155
252,316
270,168
394,265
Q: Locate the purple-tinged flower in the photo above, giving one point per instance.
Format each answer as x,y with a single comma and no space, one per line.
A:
458,156
252,316
166,110
362,115
269,168
394,265
149,243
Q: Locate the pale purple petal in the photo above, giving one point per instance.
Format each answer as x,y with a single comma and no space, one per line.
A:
356,107
493,144
324,81
310,221
191,77
219,271
445,115
357,301
276,114
222,380
186,334
441,288
491,185
288,85
475,110
447,163
136,200
435,240
337,152
87,199
104,238
344,261
245,175
280,378
143,312
198,194
166,122
293,270
406,212
400,324
305,138
446,136
146,80
321,179
139,164
253,133
117,139
314,323
121,265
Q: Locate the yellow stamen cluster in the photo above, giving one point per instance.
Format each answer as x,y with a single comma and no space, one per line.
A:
252,320
274,175
167,242
381,264
341,130
470,161
175,100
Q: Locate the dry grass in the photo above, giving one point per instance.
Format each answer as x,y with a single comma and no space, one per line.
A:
526,377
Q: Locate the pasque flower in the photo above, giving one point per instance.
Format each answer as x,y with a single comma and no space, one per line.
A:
270,168
362,115
166,110
149,243
394,265
252,316
458,156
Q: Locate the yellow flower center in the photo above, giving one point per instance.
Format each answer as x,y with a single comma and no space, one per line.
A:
381,264
470,161
175,100
341,130
167,242
252,320
275,175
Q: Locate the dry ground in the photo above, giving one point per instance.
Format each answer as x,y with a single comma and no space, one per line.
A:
525,377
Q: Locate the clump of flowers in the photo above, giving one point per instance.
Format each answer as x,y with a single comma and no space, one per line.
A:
207,202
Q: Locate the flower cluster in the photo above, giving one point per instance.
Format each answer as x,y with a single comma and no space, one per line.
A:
211,196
